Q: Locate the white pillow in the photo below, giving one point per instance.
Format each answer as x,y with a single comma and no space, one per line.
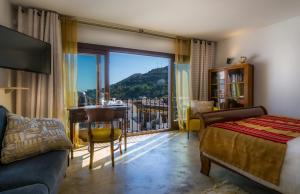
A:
201,106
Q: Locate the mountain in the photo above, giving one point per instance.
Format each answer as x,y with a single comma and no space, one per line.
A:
151,84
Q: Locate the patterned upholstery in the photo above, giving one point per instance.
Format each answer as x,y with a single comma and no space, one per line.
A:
3,121
26,137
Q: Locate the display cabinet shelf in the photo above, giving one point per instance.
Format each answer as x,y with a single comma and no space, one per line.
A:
231,86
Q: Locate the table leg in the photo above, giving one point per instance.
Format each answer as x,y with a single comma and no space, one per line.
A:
125,140
125,124
72,138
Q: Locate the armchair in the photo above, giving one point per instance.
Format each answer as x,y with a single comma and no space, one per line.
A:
193,121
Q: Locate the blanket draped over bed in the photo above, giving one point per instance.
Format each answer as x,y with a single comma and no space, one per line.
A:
254,145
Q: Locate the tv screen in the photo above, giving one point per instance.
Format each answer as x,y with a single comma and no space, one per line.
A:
21,52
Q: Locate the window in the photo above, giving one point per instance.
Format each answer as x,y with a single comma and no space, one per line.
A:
91,77
87,78
136,77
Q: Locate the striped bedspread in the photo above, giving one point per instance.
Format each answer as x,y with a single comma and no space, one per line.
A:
255,145
273,128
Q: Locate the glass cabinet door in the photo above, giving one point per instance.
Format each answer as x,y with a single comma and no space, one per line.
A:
218,88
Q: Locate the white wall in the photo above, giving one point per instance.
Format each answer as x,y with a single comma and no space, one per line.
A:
88,34
104,36
5,20
275,53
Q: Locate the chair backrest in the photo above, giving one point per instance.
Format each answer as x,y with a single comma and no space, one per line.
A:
103,115
3,123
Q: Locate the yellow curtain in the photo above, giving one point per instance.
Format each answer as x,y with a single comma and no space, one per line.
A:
182,76
69,47
182,51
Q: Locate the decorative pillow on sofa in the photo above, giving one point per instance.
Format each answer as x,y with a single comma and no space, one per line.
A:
199,107
26,137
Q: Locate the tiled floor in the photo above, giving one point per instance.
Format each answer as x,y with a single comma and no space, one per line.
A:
155,164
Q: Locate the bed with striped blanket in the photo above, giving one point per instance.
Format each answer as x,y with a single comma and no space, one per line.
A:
262,147
273,128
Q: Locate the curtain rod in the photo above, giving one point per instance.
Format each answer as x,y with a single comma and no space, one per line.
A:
23,8
117,26
128,29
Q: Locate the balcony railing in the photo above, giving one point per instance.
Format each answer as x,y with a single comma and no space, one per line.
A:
147,114
143,114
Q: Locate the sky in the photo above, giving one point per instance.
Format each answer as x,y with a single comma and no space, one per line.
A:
122,65
86,71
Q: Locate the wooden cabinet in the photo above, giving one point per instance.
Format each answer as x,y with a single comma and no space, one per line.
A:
231,86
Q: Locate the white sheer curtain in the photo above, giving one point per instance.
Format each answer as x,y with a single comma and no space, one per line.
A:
202,58
182,77
45,95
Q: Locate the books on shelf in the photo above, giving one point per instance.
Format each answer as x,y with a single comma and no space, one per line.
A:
236,87
237,90
231,86
236,77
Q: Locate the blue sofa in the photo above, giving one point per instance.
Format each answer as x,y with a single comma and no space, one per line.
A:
41,174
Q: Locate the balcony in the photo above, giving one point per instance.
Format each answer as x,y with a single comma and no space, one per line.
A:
143,115
147,114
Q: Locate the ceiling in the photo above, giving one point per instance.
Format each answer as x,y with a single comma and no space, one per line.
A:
207,19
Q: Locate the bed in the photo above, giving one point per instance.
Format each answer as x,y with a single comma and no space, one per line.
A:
241,139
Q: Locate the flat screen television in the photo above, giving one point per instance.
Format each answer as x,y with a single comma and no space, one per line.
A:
21,52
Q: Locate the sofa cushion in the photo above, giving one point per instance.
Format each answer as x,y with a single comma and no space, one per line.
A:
46,168
3,121
28,189
25,137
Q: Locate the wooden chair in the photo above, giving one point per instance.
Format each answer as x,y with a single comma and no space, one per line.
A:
104,134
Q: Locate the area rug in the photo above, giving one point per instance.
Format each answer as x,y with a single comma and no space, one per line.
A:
224,188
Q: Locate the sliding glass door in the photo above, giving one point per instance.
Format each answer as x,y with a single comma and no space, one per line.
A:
138,76
142,82
87,79
92,82
141,79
